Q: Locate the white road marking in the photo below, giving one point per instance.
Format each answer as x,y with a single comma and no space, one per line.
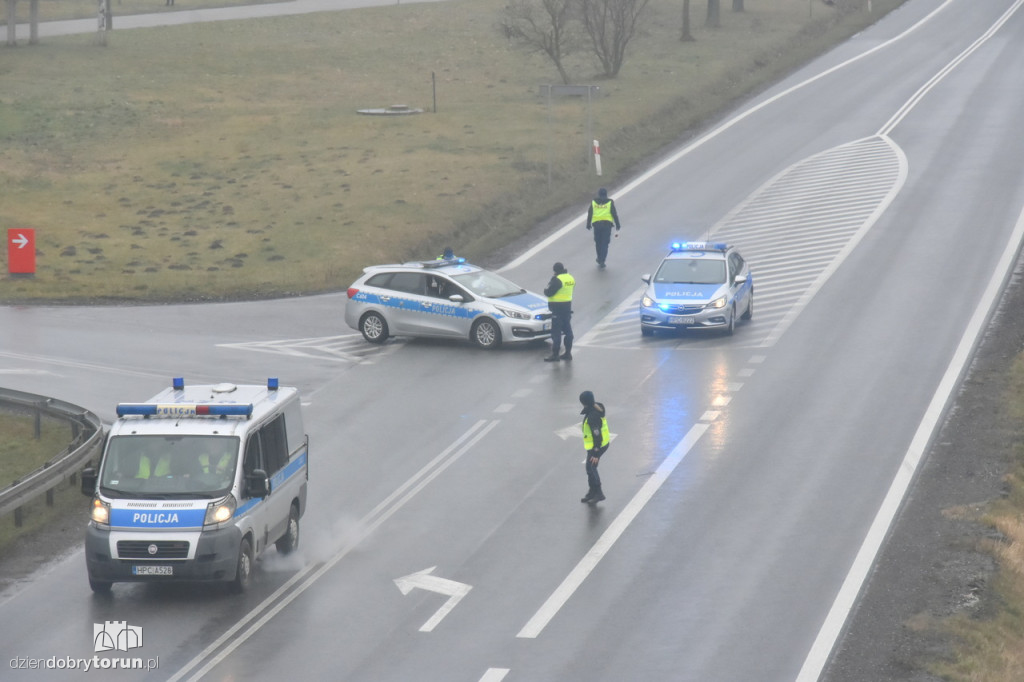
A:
432,583
590,560
494,675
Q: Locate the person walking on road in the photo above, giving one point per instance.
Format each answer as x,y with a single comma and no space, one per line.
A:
595,441
559,293
602,217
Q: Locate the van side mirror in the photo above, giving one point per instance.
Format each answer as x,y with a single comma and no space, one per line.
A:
89,481
257,484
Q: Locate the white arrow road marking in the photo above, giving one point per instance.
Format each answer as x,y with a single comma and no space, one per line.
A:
425,581
21,240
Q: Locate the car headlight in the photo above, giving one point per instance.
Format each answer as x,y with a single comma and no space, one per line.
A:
717,303
100,514
514,314
220,512
647,302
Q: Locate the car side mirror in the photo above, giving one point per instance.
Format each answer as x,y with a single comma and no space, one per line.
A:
740,279
89,481
646,278
257,484
456,298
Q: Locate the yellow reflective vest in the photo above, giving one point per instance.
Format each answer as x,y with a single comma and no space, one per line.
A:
588,435
565,293
601,212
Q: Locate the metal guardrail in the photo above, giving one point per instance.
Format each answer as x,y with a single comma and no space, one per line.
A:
87,437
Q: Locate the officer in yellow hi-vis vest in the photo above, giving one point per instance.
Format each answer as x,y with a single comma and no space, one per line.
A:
559,292
595,440
602,217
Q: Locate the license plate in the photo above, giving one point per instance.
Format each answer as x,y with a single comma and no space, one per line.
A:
680,319
153,570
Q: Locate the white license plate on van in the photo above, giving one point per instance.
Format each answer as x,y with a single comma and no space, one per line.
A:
153,570
680,319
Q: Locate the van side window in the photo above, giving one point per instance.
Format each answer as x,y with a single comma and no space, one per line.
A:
253,455
274,443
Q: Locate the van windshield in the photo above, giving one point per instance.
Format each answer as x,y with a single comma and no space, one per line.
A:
165,466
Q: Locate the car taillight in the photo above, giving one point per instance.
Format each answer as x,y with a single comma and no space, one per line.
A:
352,291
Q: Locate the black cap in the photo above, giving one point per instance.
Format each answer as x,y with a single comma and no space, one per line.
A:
587,398
603,193
559,268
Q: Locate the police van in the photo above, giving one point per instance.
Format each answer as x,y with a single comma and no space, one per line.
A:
195,483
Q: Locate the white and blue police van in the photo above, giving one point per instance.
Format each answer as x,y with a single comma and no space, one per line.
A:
195,483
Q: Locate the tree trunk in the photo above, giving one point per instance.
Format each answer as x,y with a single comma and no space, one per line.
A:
12,24
737,5
33,22
714,11
685,34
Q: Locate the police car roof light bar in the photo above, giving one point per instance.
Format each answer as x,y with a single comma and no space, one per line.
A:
699,246
441,262
184,410
272,384
178,383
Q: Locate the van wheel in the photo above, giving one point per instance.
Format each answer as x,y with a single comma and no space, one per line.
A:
374,328
486,334
100,586
243,573
287,543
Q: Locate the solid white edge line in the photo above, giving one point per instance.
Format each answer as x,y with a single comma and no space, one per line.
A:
604,543
821,650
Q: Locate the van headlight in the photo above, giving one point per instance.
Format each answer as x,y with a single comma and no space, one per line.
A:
717,303
100,514
220,512
514,314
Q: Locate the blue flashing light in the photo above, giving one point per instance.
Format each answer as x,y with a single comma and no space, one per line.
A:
177,410
699,246
178,383
272,384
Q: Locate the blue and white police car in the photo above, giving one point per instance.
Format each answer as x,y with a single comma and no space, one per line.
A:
445,298
699,285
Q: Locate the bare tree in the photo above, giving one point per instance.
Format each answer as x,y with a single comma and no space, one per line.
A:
714,14
685,35
611,24
543,26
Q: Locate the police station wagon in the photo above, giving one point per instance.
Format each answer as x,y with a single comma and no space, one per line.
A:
444,298
195,483
702,285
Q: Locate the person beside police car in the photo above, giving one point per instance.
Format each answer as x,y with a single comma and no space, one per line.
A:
559,292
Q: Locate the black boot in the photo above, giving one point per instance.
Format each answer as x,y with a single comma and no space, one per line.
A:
596,496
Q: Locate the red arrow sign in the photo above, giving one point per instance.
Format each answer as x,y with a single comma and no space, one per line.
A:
21,251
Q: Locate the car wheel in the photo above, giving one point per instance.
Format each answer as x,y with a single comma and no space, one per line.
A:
750,307
243,573
288,542
646,331
730,328
374,328
100,586
486,334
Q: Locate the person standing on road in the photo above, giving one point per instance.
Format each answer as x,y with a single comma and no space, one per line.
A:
595,441
602,217
559,292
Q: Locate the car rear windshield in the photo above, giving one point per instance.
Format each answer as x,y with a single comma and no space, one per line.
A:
691,271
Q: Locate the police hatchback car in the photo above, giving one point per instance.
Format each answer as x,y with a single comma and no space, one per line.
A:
444,298
698,285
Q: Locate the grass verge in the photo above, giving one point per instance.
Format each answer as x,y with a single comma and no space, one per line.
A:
991,646
228,160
